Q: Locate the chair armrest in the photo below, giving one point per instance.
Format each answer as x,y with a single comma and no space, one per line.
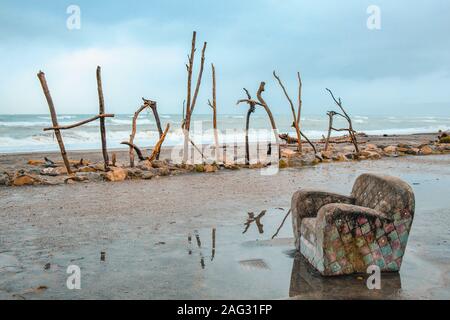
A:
332,212
306,204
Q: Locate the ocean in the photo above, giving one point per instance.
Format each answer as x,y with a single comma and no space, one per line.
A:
23,133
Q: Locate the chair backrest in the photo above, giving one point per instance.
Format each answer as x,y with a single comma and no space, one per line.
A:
387,194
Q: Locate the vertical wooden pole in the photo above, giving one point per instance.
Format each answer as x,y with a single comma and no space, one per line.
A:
101,102
51,106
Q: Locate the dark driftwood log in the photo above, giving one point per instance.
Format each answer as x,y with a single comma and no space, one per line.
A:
101,103
51,107
157,148
77,124
135,148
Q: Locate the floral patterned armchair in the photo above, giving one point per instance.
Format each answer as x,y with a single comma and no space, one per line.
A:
343,235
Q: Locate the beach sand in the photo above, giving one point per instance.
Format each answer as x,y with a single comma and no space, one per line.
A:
153,239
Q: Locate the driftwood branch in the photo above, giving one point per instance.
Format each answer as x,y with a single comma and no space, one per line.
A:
282,223
101,103
295,123
213,105
266,107
51,107
347,117
152,105
133,134
157,148
251,103
71,126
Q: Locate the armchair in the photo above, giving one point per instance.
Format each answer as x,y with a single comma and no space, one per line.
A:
345,234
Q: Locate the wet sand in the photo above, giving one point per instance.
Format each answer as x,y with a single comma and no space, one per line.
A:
156,236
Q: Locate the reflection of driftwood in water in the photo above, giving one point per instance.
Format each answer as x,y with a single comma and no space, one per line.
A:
251,218
282,223
213,251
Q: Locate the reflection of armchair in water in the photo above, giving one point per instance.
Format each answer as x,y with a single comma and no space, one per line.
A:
343,235
307,283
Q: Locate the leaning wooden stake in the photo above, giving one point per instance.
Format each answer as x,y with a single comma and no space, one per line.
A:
213,105
157,148
102,119
330,127
51,106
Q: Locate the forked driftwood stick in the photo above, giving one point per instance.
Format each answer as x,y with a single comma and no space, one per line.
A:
51,106
77,124
157,148
350,130
101,112
213,105
264,104
133,134
251,108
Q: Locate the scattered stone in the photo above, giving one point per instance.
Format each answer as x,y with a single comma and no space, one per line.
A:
210,168
159,163
134,173
413,151
23,179
340,157
72,179
371,146
231,166
390,149
163,171
88,169
199,168
444,139
36,162
147,175
426,150
53,172
91,176
282,164
4,178
371,154
288,153
116,174
327,154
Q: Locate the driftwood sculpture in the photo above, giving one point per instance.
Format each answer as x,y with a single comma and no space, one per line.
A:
213,105
57,128
252,103
344,115
162,135
191,100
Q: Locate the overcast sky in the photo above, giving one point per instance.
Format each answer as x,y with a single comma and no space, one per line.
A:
142,47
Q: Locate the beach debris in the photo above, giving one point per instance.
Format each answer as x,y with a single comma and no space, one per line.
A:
444,138
426,150
102,256
23,179
213,106
57,129
344,115
74,178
